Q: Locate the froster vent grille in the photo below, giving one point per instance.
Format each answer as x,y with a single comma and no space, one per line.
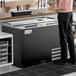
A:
56,54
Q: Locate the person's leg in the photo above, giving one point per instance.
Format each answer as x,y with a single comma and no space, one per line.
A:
63,39
70,40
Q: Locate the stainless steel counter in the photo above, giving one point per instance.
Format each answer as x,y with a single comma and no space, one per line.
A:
31,22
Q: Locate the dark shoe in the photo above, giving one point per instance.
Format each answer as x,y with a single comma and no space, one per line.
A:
58,62
71,62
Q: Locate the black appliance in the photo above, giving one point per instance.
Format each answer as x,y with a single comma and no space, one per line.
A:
21,13
34,39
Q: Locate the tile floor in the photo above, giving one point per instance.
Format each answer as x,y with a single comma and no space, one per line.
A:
10,68
45,69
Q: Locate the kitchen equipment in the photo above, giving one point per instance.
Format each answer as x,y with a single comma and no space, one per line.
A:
21,12
6,49
34,39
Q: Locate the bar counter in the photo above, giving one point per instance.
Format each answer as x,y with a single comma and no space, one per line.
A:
26,16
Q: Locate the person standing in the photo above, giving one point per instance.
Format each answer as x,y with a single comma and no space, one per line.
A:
65,19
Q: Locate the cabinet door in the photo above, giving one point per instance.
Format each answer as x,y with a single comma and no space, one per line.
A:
39,42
